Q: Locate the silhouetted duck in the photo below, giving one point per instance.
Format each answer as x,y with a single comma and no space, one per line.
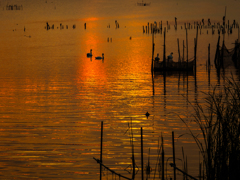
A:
89,54
147,114
100,57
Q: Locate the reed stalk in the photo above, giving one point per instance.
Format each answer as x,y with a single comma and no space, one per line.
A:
219,124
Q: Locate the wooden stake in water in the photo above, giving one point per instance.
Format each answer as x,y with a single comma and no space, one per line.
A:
101,150
133,157
152,67
217,54
200,171
209,64
195,51
164,49
162,160
187,52
179,56
142,152
152,50
174,169
184,168
183,51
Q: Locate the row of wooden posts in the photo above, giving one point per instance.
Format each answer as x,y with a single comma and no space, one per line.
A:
173,164
14,7
224,27
74,26
62,26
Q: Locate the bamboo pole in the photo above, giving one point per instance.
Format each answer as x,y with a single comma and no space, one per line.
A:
183,51
195,51
187,47
133,157
184,168
162,160
216,59
209,64
148,27
158,159
174,165
142,152
152,67
164,49
153,45
179,56
112,171
200,171
101,150
238,35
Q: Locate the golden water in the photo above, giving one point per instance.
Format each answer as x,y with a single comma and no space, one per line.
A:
53,98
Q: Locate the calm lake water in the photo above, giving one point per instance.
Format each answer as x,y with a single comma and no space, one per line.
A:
53,98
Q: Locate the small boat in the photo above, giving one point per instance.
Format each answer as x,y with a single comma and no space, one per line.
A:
100,57
173,66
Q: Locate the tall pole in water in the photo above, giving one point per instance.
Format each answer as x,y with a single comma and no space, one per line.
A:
101,150
152,49
162,160
223,43
174,169
142,153
152,68
195,52
179,56
187,44
238,35
164,49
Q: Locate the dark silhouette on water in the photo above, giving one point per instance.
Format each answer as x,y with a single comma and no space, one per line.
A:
14,7
100,57
89,54
147,115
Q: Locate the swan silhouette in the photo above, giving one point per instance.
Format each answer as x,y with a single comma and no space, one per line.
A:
100,57
89,54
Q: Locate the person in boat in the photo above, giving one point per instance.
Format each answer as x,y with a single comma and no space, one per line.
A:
170,57
157,58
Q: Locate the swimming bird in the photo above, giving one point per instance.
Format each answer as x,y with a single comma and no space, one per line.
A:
147,114
100,57
89,54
